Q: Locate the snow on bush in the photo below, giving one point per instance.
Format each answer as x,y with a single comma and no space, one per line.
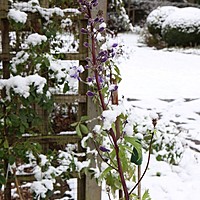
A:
175,26
17,16
21,85
182,27
156,18
36,39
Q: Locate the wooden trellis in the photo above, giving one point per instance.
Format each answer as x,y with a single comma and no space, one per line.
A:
87,188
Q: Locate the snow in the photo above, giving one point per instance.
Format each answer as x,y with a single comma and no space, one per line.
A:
166,82
187,19
21,85
36,39
159,15
17,16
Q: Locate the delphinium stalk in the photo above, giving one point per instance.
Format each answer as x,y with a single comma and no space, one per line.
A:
95,29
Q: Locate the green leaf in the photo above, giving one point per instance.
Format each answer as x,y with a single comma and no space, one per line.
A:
137,150
84,118
135,157
2,180
11,159
5,144
22,128
66,88
105,172
78,131
104,90
74,124
84,129
146,195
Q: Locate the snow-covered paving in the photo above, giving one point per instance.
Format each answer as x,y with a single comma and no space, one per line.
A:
167,82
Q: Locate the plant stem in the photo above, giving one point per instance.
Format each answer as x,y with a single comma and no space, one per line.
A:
104,107
149,155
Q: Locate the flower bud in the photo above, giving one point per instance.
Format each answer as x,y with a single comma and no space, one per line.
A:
90,93
114,45
85,44
104,149
101,29
84,31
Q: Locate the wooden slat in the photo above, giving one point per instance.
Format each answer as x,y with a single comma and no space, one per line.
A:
5,57
59,139
31,178
64,56
73,56
3,14
69,98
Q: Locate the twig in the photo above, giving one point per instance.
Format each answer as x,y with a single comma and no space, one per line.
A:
146,165
96,147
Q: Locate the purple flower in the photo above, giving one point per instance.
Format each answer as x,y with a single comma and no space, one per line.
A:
86,16
104,149
96,19
90,93
101,29
86,66
84,31
88,59
101,20
102,53
100,79
95,4
75,75
104,58
94,1
115,45
85,44
89,79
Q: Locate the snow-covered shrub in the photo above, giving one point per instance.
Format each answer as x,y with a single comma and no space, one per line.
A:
182,27
118,20
168,147
156,18
35,73
167,143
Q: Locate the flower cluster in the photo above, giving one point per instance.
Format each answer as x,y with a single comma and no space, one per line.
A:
102,50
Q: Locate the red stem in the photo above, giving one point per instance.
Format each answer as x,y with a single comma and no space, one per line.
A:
104,107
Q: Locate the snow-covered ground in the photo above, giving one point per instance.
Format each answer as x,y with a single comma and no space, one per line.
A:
168,82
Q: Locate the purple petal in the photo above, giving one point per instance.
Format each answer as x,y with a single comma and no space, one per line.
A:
104,149
104,59
115,45
101,29
94,1
88,59
101,20
96,19
85,44
84,31
90,94
86,66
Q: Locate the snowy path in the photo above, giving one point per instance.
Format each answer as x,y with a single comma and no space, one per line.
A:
168,82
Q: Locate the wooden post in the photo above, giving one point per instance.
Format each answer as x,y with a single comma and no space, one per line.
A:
44,3
102,6
6,74
82,106
139,186
93,191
